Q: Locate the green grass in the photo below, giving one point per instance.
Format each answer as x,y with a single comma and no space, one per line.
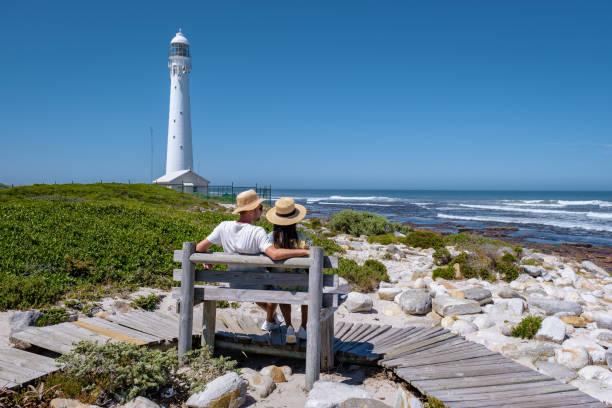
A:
86,241
471,242
361,278
447,273
52,316
148,302
385,239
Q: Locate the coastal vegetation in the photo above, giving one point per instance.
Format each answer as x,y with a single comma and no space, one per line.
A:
50,316
528,327
363,223
149,302
363,278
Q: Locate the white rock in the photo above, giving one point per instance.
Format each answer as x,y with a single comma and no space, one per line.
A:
141,402
463,327
529,350
358,302
329,394
447,322
447,306
483,322
596,373
595,389
388,293
69,403
260,384
551,306
597,354
553,329
391,309
515,306
420,283
602,336
384,284
516,285
403,399
609,358
557,371
574,358
415,301
604,320
591,267
229,387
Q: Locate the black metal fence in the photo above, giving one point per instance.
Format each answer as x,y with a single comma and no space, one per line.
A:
229,193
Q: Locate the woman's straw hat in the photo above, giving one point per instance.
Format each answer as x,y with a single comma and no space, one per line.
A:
286,212
247,200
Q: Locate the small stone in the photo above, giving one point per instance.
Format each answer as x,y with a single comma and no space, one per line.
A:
228,391
276,373
609,358
483,322
262,385
481,295
463,327
446,306
575,358
507,293
434,315
602,336
415,301
69,403
358,302
329,394
553,329
574,321
388,293
22,320
392,309
420,284
141,402
557,371
457,294
415,403
447,322
532,270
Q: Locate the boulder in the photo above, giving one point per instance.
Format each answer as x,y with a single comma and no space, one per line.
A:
599,373
420,284
415,301
463,327
557,371
141,402
262,385
597,354
604,321
404,400
384,284
552,306
227,391
274,372
447,322
358,302
530,350
553,329
574,358
602,336
483,322
391,309
532,270
594,269
363,403
507,293
575,321
595,389
448,306
329,394
515,306
609,358
481,295
388,293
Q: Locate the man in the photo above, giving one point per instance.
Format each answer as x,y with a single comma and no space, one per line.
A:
241,237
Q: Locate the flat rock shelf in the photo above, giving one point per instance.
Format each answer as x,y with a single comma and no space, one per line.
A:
457,372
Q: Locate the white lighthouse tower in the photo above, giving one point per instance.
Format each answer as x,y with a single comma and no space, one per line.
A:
179,154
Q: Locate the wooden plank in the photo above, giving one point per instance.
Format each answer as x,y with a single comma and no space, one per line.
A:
254,277
412,346
341,332
124,319
366,340
496,392
424,373
24,358
147,338
480,381
185,332
7,383
560,399
44,340
178,255
209,320
460,347
108,333
259,260
313,326
262,349
78,333
327,339
436,359
255,295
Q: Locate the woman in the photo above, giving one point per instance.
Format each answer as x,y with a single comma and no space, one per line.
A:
285,215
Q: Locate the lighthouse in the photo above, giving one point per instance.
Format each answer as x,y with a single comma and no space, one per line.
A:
179,153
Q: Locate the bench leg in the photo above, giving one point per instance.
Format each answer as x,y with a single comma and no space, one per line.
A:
209,318
327,339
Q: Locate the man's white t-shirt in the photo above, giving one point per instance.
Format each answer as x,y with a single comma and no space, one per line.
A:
240,238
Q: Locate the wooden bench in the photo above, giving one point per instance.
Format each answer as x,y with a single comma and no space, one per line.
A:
322,298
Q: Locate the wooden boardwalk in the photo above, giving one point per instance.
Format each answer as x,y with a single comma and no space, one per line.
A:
460,373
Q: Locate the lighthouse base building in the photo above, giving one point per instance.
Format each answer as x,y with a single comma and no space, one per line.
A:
186,181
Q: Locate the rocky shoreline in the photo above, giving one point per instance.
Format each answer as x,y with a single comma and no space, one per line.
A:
571,296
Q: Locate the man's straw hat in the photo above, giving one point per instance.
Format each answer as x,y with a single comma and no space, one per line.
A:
247,200
286,212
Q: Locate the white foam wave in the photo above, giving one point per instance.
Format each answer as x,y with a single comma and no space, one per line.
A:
350,198
525,210
605,216
514,220
357,204
558,203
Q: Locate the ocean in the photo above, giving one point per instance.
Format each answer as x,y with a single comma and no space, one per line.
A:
547,216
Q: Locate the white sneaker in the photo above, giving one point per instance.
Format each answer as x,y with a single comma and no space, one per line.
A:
279,319
269,326
301,334
290,336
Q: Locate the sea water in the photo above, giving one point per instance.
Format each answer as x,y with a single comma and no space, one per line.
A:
546,216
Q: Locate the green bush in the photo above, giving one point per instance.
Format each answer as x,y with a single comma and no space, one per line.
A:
441,256
125,371
471,242
467,271
447,273
385,239
508,258
224,304
424,239
51,316
149,302
361,223
509,272
315,223
364,278
528,327
330,247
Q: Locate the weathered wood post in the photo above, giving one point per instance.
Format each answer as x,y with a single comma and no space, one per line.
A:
187,282
209,319
313,327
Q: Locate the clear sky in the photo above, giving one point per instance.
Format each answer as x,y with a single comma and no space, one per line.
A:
377,94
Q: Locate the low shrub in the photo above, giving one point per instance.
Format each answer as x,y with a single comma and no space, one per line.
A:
364,278
315,223
330,247
447,273
362,223
224,304
531,261
508,258
424,239
528,327
51,316
467,271
385,239
509,271
471,242
149,302
441,256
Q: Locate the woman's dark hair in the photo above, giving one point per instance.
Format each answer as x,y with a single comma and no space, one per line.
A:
285,236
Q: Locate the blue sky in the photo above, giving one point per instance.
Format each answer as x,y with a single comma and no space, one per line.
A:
322,94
